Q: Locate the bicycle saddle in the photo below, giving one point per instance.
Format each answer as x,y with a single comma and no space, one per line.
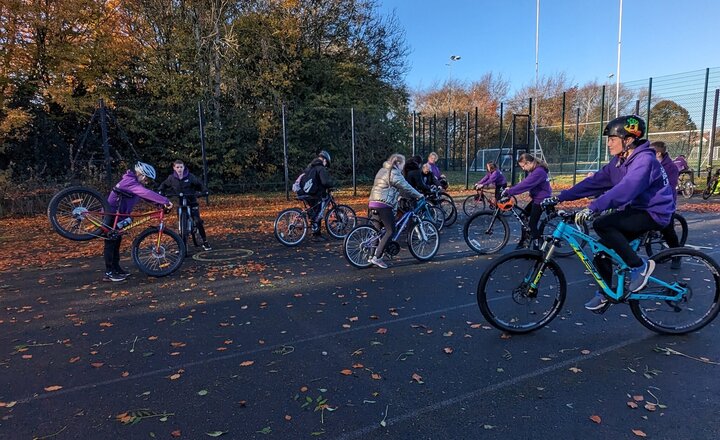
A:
122,193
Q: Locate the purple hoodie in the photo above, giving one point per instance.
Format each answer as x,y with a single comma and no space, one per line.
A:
129,183
493,178
640,182
537,183
672,172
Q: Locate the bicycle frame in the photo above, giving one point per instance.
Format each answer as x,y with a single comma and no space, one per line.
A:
143,217
567,232
402,223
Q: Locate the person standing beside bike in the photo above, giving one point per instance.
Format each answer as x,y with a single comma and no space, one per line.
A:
182,181
317,171
133,182
537,183
388,187
636,186
673,174
494,177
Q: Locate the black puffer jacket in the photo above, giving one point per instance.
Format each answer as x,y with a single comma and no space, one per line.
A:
187,184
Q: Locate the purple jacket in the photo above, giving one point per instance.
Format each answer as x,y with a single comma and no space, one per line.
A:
435,170
129,183
672,172
640,182
537,183
494,178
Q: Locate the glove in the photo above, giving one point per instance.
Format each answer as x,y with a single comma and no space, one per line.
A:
550,201
584,216
504,194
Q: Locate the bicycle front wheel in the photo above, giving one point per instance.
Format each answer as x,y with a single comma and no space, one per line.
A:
508,302
473,204
290,227
423,240
158,254
360,245
693,271
184,223
486,233
76,212
447,204
655,241
340,220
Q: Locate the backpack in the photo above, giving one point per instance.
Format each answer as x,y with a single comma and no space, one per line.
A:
307,183
296,186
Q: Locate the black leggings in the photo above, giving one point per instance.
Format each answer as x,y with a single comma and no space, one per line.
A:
387,218
111,253
195,214
498,190
616,231
532,212
669,235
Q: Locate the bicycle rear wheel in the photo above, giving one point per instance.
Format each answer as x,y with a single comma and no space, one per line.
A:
425,248
447,204
75,212
157,254
691,270
687,187
506,299
290,226
473,204
360,244
486,233
340,220
562,249
655,241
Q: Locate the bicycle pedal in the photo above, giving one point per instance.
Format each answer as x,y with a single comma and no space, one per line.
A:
603,309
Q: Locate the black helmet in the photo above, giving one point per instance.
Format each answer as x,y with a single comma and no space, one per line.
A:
625,126
325,155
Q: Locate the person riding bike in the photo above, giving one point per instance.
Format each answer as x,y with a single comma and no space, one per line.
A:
494,177
636,186
673,173
388,186
317,170
133,182
537,183
182,181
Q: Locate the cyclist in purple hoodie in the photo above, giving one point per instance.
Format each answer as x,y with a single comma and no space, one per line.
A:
673,173
133,183
636,186
537,183
494,177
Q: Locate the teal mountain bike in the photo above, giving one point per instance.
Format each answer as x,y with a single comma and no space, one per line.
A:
524,290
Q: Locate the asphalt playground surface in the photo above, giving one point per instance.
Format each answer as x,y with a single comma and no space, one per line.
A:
290,343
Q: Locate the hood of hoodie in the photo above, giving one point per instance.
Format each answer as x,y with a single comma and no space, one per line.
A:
185,173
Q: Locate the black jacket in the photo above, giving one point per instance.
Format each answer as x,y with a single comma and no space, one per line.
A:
188,184
323,177
418,181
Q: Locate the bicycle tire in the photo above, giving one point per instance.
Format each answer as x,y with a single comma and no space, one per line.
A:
499,291
71,209
486,233
655,242
184,226
423,250
360,244
473,204
687,188
290,226
158,256
447,204
562,249
707,192
340,220
438,217
702,300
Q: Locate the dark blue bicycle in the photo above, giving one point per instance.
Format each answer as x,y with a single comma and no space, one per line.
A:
423,238
524,290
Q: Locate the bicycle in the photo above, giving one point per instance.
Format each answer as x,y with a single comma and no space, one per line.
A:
686,184
480,202
653,241
422,238
291,224
429,212
487,232
444,201
82,214
711,187
675,301
186,223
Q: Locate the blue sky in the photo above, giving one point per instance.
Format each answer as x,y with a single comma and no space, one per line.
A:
659,37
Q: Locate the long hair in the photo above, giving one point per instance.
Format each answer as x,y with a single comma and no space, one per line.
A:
491,166
396,160
527,157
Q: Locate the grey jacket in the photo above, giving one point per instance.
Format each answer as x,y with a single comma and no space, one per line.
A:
389,184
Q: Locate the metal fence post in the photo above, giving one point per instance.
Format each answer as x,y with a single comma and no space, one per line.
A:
702,118
413,134
714,128
562,127
201,121
577,144
447,140
352,137
285,155
647,121
475,136
106,142
602,119
467,149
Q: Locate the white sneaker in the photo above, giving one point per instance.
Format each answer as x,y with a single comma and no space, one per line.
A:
377,262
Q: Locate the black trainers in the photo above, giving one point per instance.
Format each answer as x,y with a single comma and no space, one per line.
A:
121,272
113,277
206,246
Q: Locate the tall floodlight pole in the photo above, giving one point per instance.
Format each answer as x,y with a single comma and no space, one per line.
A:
537,79
617,75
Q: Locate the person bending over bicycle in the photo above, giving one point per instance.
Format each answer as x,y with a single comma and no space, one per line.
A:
317,171
133,182
537,183
494,177
182,181
636,186
388,186
673,174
